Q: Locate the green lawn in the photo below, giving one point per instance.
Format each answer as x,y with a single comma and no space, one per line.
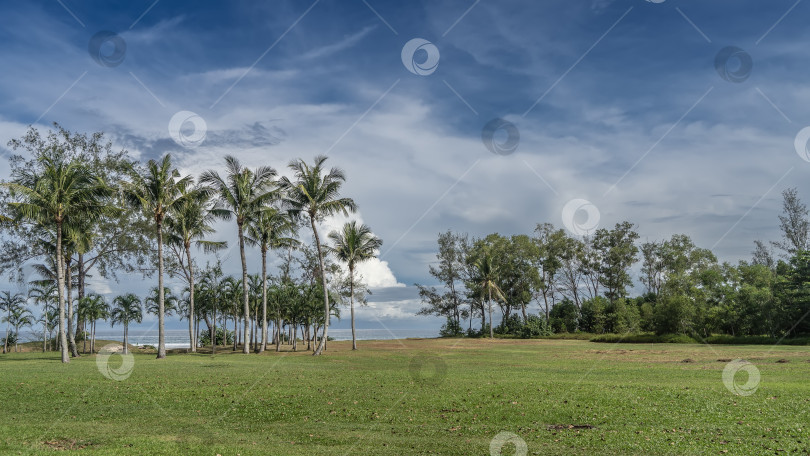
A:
639,399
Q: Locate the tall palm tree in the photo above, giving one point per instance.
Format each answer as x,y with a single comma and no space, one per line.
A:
486,278
158,190
51,196
353,245
127,309
244,194
10,303
190,223
315,194
271,229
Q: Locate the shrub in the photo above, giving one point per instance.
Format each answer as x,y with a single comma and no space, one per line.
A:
205,337
451,329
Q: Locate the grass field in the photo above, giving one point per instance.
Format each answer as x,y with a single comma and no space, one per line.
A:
412,397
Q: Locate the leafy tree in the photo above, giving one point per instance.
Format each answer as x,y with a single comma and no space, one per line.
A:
315,195
449,272
617,253
564,317
794,224
353,245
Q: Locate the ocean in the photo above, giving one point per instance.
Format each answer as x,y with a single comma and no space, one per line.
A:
178,338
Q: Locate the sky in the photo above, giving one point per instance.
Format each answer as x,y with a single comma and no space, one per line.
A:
476,116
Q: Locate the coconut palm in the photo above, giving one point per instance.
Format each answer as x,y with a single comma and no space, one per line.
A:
52,196
353,245
158,191
189,223
315,195
127,309
93,308
486,279
10,303
244,194
44,294
271,229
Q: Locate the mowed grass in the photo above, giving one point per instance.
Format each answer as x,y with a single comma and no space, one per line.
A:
412,397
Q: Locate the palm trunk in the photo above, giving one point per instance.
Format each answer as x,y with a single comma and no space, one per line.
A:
214,334
491,329
161,309
191,341
246,337
8,329
71,339
80,279
351,304
126,338
322,344
263,345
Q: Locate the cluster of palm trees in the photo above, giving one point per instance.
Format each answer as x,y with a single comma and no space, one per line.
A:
63,197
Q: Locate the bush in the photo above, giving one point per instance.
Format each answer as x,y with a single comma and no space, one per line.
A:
644,338
535,327
511,325
451,329
12,339
205,337
476,333
564,317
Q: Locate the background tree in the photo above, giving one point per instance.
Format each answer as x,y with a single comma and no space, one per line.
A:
794,224
9,303
126,309
353,245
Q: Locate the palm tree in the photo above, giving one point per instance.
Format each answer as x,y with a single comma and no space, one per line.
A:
486,279
127,309
244,194
354,245
10,303
191,222
19,317
315,194
52,196
93,308
158,191
152,302
270,230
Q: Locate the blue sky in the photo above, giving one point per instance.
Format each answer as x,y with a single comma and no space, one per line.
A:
617,102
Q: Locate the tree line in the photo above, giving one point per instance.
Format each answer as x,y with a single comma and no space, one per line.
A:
584,284
75,208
